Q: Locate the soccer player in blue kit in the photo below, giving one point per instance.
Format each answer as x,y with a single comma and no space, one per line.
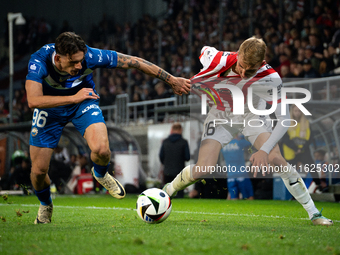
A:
238,179
60,88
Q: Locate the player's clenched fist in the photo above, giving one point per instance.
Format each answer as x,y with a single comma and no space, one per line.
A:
180,86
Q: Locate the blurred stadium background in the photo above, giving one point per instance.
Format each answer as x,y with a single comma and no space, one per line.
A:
303,46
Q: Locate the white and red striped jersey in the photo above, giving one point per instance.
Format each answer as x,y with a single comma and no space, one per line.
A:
217,71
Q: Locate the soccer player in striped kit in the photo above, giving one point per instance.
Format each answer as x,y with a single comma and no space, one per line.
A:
243,69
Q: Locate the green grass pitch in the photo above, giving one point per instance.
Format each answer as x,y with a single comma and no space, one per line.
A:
100,224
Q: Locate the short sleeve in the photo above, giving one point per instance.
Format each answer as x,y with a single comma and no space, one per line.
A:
36,70
101,58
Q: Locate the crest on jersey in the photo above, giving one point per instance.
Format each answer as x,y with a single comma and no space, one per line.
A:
34,131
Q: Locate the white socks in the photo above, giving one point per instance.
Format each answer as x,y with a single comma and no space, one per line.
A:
181,181
298,189
291,179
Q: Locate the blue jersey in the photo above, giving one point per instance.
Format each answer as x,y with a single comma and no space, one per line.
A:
233,154
41,69
48,123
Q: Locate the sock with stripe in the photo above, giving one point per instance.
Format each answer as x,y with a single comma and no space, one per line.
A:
44,196
100,171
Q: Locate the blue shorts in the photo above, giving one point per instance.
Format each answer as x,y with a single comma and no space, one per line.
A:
48,123
237,185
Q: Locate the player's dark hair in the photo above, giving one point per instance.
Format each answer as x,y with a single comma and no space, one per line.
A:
69,43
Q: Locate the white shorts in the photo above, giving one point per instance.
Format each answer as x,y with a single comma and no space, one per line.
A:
222,129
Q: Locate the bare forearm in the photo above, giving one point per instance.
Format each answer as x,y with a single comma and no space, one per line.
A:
50,101
155,71
126,61
36,98
179,85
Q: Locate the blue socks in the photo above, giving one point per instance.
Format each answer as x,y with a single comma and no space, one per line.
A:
44,196
100,171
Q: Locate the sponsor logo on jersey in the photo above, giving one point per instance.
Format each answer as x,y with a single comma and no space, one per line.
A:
89,107
100,56
34,131
112,59
33,67
95,113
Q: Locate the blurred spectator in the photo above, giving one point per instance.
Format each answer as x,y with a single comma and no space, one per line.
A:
316,46
238,181
296,142
26,113
81,166
173,154
73,161
286,73
309,55
161,91
61,154
320,162
336,36
332,60
308,70
284,61
3,110
10,178
136,97
20,178
295,70
105,99
60,169
145,94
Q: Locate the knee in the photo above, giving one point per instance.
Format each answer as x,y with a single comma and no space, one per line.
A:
39,172
102,151
275,158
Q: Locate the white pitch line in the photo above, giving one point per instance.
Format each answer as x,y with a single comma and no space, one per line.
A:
183,212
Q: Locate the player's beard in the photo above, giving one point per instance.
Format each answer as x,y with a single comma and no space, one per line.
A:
74,72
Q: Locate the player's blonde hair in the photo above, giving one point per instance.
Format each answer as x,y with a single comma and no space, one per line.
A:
252,51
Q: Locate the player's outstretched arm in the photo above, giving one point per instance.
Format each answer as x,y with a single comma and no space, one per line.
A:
260,158
36,98
179,85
